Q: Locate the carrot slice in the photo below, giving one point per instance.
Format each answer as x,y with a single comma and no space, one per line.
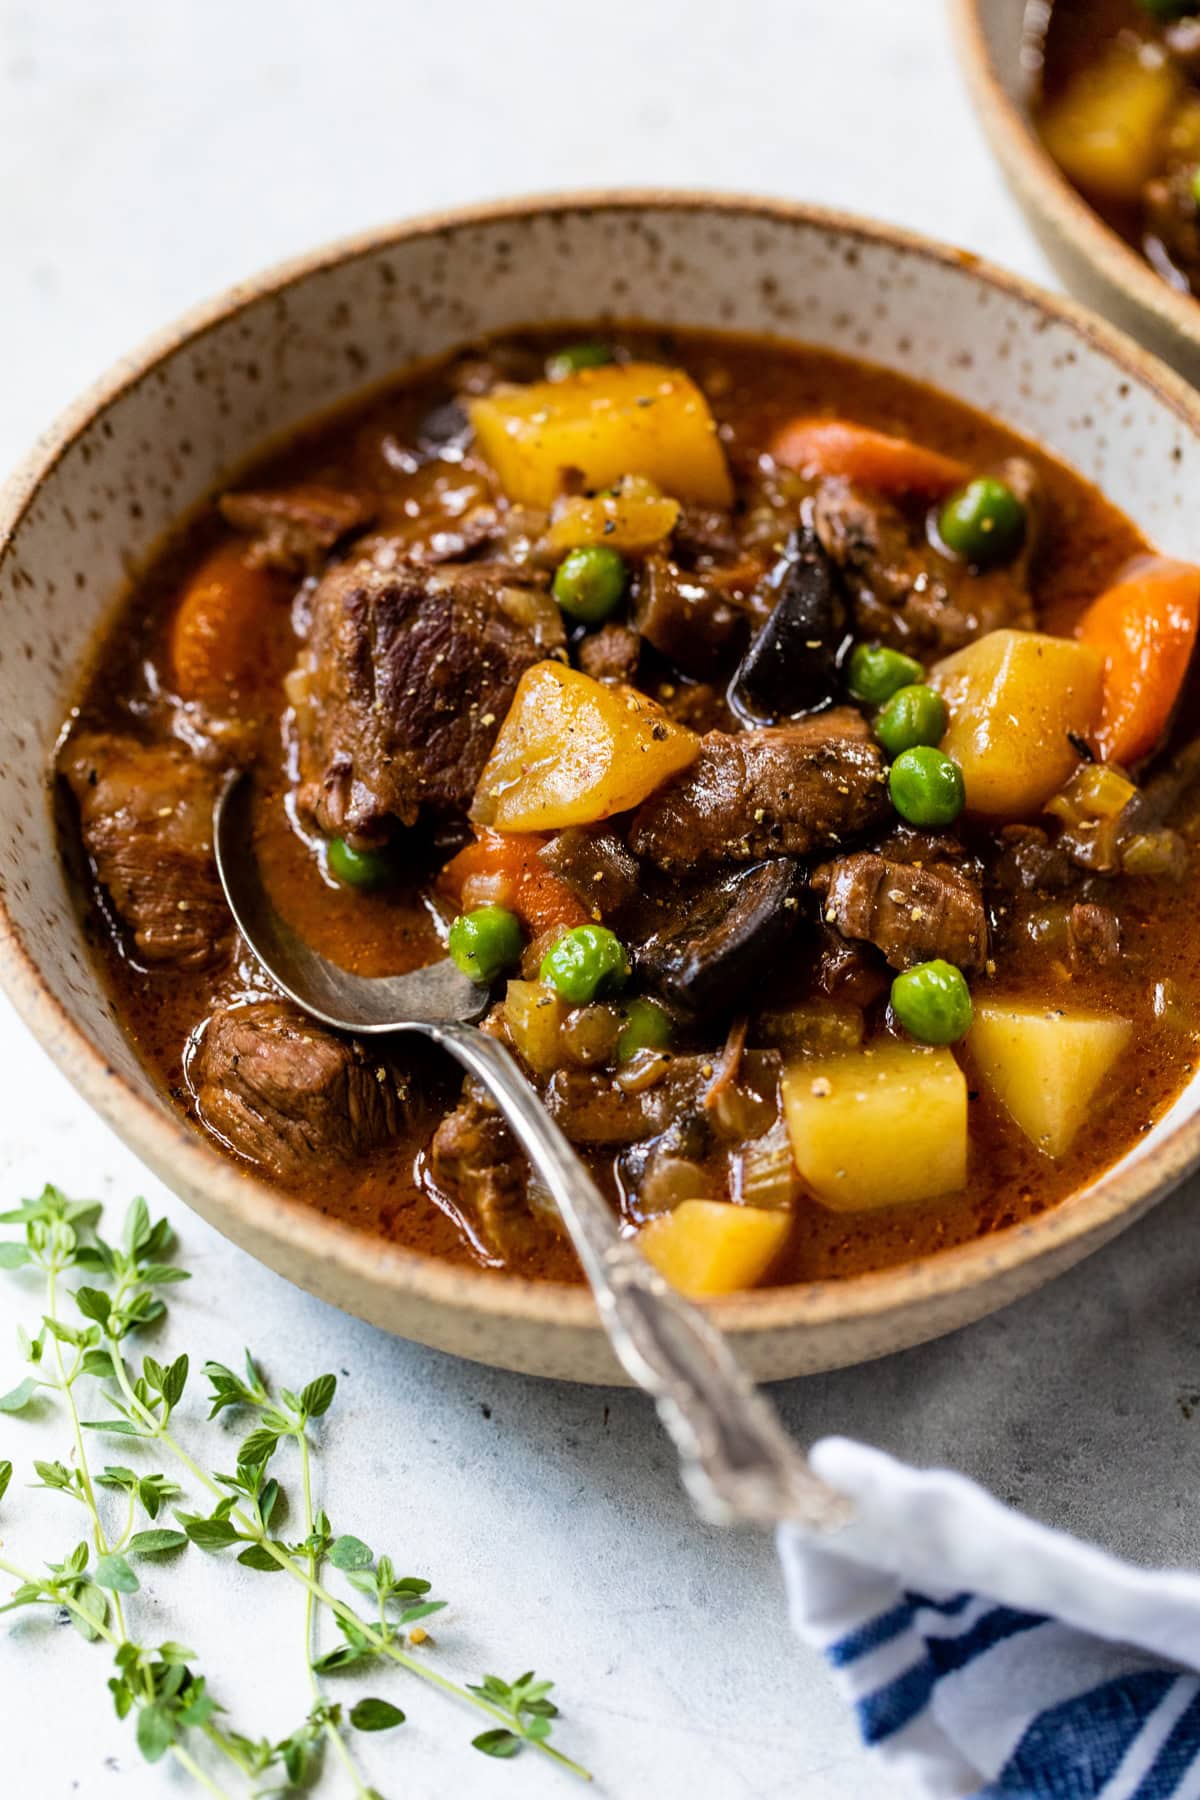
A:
504,869
1145,628
891,465
220,632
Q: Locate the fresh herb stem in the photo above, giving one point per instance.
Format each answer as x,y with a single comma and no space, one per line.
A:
331,1727
379,1641
67,1388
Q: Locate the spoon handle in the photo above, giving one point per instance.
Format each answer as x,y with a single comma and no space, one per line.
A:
738,1462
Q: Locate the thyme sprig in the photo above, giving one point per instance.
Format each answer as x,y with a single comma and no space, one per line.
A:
176,1712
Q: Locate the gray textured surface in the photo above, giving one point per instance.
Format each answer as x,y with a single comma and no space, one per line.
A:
148,155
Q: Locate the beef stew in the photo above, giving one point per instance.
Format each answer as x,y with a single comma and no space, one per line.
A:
793,750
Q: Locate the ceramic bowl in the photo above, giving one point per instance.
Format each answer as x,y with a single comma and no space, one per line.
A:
175,420
1092,260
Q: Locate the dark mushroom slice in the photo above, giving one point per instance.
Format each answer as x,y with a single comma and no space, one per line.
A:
791,668
724,937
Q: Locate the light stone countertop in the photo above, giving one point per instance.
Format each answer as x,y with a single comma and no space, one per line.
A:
149,155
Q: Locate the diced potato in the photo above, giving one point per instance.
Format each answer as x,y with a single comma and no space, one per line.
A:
1107,130
623,419
1013,698
1044,1065
624,522
878,1126
573,750
534,1014
709,1247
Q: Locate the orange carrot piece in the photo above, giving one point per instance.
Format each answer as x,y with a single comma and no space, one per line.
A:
219,633
503,869
891,465
1145,628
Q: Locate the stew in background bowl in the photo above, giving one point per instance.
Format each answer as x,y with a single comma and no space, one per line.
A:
357,317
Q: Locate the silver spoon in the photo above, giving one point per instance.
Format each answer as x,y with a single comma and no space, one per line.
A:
738,1462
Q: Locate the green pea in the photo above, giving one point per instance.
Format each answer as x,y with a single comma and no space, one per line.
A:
913,715
585,962
485,942
647,1027
359,868
933,1003
926,786
589,582
574,357
875,672
984,522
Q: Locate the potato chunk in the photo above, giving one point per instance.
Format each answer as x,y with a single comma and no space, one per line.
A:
1106,131
628,522
1013,698
573,750
1044,1065
878,1126
709,1247
623,419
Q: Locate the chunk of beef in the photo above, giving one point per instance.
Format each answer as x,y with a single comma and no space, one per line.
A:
719,940
401,690
704,536
611,654
295,528
904,591
145,815
852,974
290,1095
1030,862
595,865
782,791
688,618
475,1160
593,1109
1093,936
913,913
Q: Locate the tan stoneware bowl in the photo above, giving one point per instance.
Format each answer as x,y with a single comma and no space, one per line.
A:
176,420
1092,260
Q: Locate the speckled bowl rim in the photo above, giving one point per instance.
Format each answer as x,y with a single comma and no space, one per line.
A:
1021,152
167,1142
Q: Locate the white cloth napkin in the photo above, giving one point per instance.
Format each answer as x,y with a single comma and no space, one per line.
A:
989,1656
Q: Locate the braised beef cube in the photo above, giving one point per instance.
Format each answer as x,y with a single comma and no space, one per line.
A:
688,619
906,592
724,937
1093,936
849,973
290,1095
1029,862
912,914
475,1161
145,816
785,790
295,528
704,535
610,654
400,691
596,865
791,668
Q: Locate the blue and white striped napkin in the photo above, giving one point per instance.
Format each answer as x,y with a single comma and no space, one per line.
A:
987,1656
